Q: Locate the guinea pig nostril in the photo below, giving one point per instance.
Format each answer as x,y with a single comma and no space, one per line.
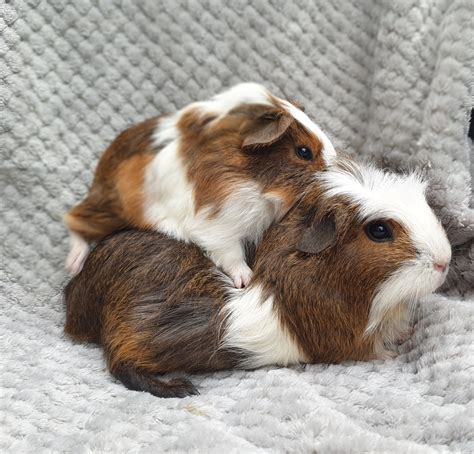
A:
441,267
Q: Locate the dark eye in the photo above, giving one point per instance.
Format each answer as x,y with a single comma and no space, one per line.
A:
304,153
379,231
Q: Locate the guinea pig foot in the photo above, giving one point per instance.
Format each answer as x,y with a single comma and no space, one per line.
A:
77,255
241,275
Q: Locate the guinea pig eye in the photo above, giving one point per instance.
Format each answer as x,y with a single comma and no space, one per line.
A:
379,231
304,153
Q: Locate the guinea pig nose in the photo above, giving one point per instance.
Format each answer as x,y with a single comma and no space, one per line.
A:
440,266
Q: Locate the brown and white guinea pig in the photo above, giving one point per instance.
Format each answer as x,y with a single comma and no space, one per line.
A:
336,279
216,173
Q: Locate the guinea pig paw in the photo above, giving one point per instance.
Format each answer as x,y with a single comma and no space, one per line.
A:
241,275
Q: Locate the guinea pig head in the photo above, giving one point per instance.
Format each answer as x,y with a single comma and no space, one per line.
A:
283,147
247,137
351,259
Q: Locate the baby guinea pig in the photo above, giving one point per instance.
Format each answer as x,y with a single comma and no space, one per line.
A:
216,173
336,279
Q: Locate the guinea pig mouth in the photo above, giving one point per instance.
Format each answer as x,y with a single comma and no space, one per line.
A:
426,274
433,280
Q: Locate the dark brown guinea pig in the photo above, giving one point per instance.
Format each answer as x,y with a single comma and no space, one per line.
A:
334,280
216,173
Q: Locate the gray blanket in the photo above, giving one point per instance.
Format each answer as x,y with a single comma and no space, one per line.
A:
389,81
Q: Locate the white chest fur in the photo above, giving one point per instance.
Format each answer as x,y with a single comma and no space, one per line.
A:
253,326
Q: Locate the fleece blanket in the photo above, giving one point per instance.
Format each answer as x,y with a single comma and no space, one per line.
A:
389,81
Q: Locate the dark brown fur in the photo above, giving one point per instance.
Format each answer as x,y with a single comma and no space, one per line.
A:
155,303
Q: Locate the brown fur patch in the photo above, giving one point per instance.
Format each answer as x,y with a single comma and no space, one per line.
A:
115,200
130,178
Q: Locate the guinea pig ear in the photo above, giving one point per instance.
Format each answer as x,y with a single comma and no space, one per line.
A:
319,236
271,126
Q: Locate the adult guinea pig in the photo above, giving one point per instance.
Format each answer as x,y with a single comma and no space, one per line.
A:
216,173
334,280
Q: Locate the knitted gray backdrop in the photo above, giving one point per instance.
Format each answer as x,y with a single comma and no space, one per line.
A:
387,80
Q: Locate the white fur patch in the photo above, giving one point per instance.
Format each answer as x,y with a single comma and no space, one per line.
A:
244,93
254,327
383,195
405,287
167,130
169,204
329,152
246,214
79,250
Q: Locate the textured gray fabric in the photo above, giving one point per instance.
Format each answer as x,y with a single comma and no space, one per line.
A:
387,80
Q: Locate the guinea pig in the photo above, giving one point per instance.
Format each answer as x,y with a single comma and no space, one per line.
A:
336,279
216,173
